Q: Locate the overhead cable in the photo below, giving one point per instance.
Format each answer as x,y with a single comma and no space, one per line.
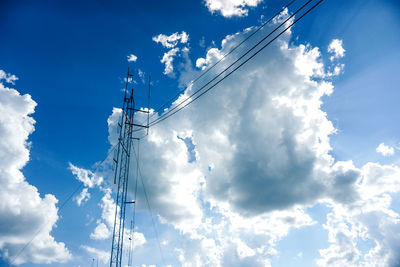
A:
223,57
176,108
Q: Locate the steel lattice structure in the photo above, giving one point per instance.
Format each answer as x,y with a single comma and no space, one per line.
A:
121,176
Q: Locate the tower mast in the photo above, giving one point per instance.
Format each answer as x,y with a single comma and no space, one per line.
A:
121,175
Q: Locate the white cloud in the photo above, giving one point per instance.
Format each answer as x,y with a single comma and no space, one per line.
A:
308,62
337,70
213,55
131,58
343,250
112,123
178,177
100,232
104,227
95,253
228,239
108,208
230,8
172,40
7,77
283,15
239,176
167,59
22,211
336,48
88,178
368,218
385,150
138,240
82,197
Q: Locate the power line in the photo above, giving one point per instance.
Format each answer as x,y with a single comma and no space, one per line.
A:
248,51
224,56
165,115
172,112
59,209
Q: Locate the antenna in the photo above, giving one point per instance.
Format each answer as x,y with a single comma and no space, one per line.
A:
121,162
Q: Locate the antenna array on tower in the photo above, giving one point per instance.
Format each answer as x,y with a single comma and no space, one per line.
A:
121,175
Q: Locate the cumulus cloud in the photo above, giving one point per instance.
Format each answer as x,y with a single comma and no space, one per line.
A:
172,193
82,197
213,54
88,178
336,48
261,164
385,150
7,77
167,59
228,239
263,156
138,240
368,218
105,224
131,58
335,70
171,42
100,232
104,227
108,208
23,212
230,8
247,175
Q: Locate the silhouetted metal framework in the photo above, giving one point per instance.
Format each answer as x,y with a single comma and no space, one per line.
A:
121,176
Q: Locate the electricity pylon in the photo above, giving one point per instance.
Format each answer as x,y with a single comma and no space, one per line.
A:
121,175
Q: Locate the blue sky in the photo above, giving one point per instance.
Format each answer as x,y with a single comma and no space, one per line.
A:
71,58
